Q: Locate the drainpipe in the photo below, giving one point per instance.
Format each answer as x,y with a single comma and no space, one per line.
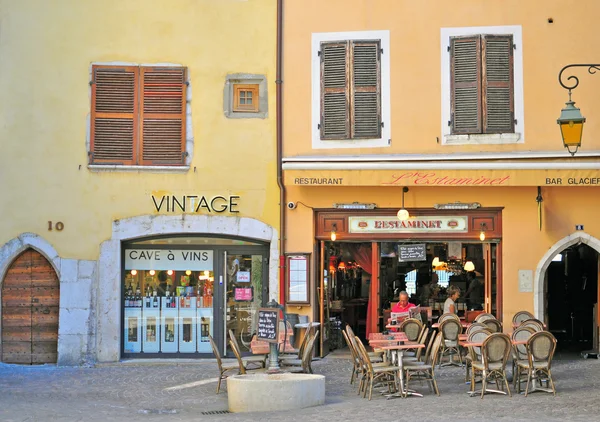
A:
279,107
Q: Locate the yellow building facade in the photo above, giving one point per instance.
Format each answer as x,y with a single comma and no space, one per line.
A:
140,213
447,110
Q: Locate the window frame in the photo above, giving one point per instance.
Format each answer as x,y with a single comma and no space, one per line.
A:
237,89
138,116
384,77
297,257
518,135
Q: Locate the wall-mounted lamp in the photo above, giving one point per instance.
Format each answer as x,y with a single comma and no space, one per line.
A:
469,266
355,206
571,120
188,272
483,228
133,272
435,262
457,206
151,272
402,213
333,232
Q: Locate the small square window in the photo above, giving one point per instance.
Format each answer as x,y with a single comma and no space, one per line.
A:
245,98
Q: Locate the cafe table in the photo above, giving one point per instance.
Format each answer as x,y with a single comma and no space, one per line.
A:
397,353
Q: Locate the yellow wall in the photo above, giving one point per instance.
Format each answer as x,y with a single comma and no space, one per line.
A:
47,49
416,69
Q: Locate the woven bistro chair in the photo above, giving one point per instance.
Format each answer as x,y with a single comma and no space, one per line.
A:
410,355
519,353
476,326
484,317
412,327
540,351
376,355
521,316
445,316
494,352
356,365
250,362
493,325
300,352
425,370
222,368
304,366
536,324
474,352
374,375
450,329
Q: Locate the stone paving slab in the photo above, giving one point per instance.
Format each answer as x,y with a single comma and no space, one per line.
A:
183,390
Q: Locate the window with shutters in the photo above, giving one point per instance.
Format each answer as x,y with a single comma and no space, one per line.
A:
482,87
351,89
138,116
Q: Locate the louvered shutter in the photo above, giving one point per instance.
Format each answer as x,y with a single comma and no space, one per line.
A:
335,112
114,115
498,84
162,115
366,98
465,81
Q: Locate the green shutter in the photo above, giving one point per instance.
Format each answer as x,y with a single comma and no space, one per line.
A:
498,84
335,119
465,85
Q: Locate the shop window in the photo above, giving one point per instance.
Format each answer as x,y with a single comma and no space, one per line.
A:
350,78
138,116
298,281
482,85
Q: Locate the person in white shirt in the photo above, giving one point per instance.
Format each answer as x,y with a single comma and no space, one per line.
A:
450,303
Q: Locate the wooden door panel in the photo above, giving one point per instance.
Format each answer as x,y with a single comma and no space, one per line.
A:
16,352
30,306
45,296
16,297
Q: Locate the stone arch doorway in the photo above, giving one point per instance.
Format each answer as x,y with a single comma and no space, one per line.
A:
566,291
30,308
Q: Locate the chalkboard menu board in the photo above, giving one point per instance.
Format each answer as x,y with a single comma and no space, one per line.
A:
268,325
412,252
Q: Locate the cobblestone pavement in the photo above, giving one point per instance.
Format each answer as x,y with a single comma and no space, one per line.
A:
185,391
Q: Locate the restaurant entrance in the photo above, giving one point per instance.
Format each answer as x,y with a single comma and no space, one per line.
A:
375,256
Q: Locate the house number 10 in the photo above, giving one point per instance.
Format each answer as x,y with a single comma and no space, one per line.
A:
58,226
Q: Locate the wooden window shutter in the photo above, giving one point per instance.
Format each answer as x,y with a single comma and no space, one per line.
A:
465,84
162,115
335,93
498,84
114,123
366,98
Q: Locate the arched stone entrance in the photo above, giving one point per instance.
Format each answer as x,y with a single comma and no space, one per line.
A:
539,284
30,292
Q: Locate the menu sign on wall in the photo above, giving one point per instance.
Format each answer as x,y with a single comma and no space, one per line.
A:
412,252
419,224
268,325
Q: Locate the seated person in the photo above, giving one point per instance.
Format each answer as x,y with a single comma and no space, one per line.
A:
403,304
453,295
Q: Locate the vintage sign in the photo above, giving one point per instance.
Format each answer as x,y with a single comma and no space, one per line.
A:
164,202
171,259
421,224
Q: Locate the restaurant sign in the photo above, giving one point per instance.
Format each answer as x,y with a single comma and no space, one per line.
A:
420,224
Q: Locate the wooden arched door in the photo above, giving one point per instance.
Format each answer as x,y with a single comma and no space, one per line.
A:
30,299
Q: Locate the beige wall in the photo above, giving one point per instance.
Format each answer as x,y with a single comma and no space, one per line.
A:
416,69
